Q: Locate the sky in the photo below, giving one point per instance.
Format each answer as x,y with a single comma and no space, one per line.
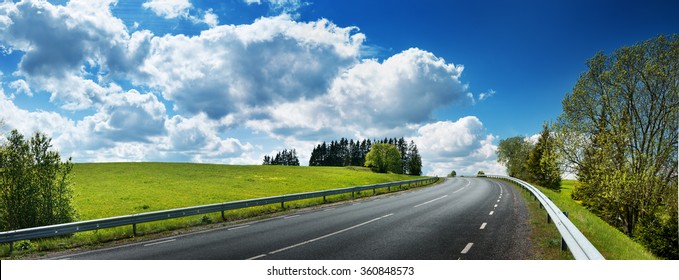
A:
231,81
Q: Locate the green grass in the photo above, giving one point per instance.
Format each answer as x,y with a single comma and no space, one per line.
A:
610,242
104,190
545,238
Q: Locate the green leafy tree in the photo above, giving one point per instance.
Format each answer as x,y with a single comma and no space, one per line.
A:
452,174
35,186
513,153
384,158
542,165
618,133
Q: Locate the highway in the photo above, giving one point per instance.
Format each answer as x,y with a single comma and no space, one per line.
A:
462,218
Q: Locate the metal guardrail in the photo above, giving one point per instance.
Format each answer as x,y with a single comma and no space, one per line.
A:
68,228
577,243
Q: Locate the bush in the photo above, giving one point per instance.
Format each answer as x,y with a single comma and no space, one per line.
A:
34,184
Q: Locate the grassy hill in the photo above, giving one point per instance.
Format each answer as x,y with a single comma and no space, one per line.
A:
113,189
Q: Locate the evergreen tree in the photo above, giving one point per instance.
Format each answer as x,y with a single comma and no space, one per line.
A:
414,160
542,164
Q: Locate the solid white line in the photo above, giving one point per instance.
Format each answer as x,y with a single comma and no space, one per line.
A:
491,212
329,209
257,257
290,217
435,199
466,248
483,225
328,235
161,242
240,227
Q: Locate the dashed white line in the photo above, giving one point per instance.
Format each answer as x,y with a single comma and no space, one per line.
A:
498,200
460,189
495,206
257,257
491,213
240,227
483,225
319,238
466,248
161,242
435,199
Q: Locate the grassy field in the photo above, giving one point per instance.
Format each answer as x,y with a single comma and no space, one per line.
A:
610,242
114,189
104,190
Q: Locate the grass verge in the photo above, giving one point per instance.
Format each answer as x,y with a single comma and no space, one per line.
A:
611,243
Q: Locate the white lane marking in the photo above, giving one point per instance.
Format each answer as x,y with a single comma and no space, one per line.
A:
498,200
483,225
491,213
290,217
435,199
495,206
460,189
240,227
161,242
324,236
257,257
466,248
329,209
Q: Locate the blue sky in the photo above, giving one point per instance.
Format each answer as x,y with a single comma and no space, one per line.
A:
230,81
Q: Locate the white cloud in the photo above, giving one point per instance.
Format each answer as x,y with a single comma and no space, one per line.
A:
486,95
229,69
463,146
169,8
370,99
20,86
290,7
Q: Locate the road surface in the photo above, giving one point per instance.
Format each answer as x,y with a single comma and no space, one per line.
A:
462,218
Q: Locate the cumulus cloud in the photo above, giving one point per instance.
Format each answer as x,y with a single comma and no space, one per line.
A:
371,99
463,146
228,69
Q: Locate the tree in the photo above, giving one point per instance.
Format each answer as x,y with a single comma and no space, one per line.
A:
513,153
383,158
542,166
413,160
35,185
618,133
452,174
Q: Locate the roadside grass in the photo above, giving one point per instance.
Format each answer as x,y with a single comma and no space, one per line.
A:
611,243
544,237
104,190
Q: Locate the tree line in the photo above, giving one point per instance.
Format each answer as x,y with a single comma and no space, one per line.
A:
618,134
535,163
284,157
347,152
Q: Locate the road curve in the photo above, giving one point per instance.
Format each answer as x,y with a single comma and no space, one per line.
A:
462,218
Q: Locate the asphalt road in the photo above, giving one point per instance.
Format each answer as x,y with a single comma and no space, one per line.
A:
462,218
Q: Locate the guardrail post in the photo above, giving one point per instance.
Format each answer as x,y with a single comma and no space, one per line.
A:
564,246
324,199
223,218
134,229
283,205
11,247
